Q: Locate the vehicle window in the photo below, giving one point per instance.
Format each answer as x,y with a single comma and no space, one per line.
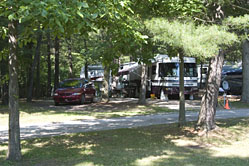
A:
153,70
190,70
204,70
168,69
71,84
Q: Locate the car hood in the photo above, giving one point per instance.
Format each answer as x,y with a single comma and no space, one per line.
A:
68,90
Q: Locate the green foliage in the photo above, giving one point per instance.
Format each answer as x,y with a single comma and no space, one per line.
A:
240,25
169,8
197,41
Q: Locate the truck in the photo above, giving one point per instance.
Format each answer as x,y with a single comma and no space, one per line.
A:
163,77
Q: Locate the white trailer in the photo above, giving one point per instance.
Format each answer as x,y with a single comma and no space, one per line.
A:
163,77
96,75
202,74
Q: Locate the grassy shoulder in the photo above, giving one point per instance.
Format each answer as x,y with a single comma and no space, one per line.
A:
158,145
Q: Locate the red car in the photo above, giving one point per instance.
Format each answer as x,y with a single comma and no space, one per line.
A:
76,90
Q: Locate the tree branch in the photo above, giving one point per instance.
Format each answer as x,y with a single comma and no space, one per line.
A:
239,7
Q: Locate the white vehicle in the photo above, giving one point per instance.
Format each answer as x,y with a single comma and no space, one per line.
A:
202,74
95,72
129,79
96,75
163,77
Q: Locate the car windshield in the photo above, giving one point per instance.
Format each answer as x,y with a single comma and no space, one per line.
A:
71,84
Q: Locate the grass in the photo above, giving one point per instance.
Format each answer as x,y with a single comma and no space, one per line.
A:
234,103
158,145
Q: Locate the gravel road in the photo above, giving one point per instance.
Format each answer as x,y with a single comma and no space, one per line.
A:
52,129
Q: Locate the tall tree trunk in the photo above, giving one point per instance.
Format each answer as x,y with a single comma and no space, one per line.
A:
37,51
106,84
14,147
245,64
56,63
70,59
37,54
209,101
86,63
49,65
142,96
4,82
29,67
182,118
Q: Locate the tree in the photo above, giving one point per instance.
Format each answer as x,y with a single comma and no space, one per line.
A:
34,65
61,20
187,39
56,62
48,64
240,26
14,150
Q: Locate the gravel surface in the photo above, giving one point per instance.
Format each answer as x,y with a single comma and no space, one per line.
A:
62,128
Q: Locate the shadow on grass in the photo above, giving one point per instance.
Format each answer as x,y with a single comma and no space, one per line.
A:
150,146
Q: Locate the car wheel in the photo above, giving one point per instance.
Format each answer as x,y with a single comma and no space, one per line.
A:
83,99
56,103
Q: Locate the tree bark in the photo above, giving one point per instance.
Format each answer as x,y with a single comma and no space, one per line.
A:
182,118
49,65
14,147
106,84
142,96
56,63
245,65
31,79
86,63
29,55
37,51
209,101
70,59
4,82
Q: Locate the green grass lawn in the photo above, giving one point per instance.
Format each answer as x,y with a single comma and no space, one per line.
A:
159,145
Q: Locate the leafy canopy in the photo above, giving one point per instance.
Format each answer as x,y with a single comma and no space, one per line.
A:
197,41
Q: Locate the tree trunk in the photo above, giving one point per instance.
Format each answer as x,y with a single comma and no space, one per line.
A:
14,147
56,63
106,84
182,118
142,96
4,82
245,65
29,67
49,65
86,63
37,51
31,79
209,101
70,59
